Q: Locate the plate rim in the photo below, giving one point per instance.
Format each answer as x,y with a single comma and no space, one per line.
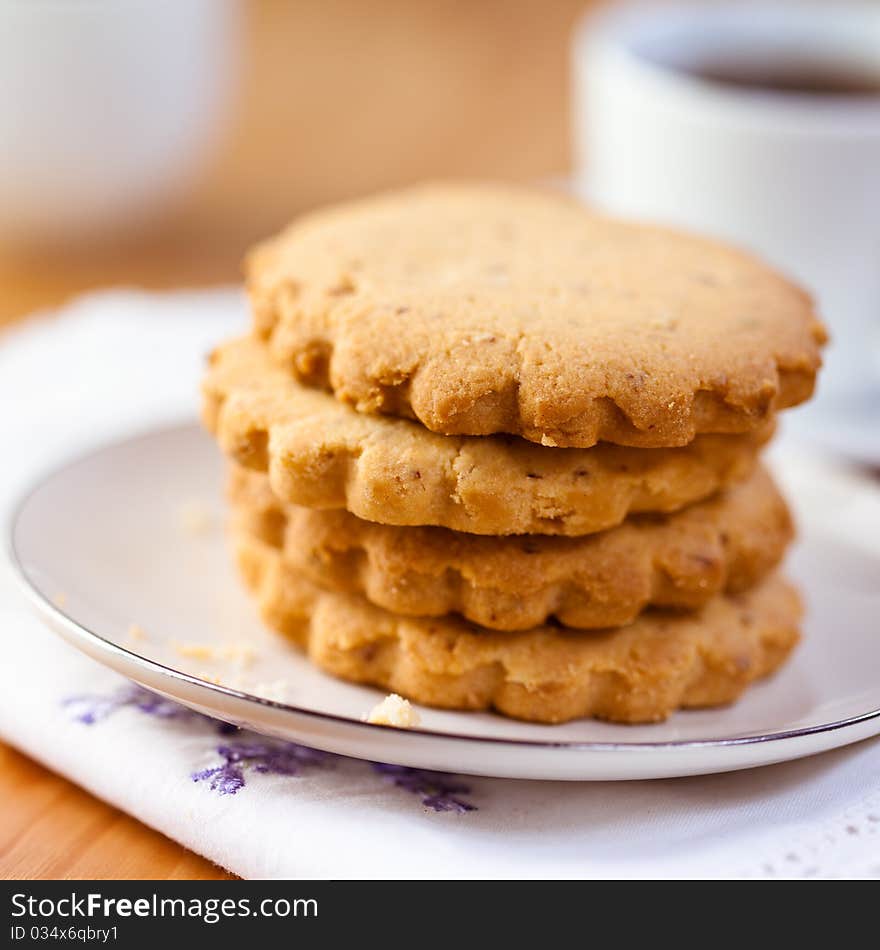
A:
49,611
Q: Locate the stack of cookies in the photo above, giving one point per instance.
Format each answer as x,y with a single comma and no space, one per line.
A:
490,450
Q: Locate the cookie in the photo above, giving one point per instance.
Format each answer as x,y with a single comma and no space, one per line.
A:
640,673
322,454
479,309
513,583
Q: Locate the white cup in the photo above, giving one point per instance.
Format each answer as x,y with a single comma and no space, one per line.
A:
107,108
794,177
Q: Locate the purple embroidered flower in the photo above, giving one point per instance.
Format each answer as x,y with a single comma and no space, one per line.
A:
92,709
436,789
270,758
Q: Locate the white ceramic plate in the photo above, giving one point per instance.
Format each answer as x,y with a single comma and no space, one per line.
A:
132,534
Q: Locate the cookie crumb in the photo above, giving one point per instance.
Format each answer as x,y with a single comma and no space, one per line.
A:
198,651
275,690
209,678
60,599
394,711
196,519
136,632
241,652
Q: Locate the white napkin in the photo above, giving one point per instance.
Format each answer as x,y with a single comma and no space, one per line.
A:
117,361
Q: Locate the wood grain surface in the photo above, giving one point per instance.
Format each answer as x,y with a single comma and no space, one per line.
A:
53,829
337,98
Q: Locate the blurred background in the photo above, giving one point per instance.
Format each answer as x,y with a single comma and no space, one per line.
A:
325,99
149,142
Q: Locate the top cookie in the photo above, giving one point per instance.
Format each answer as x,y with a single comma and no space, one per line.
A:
480,309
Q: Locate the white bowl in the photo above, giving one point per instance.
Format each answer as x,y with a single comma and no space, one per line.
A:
106,108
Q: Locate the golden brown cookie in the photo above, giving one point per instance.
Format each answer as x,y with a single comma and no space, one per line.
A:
322,454
640,673
480,308
513,583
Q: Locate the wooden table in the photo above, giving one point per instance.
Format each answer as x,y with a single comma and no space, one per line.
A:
336,98
50,828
